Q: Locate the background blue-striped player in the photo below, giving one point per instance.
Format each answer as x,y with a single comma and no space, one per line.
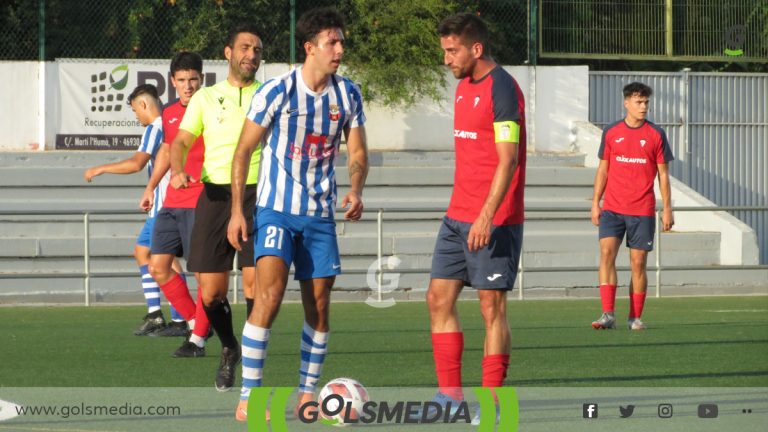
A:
300,116
145,102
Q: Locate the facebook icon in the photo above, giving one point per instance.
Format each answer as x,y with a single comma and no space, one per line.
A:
590,411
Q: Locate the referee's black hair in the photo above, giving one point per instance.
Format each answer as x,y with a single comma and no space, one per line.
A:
143,89
637,88
186,60
468,27
241,28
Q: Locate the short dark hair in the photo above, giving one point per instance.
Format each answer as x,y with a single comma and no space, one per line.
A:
143,89
637,88
312,22
186,60
241,28
467,26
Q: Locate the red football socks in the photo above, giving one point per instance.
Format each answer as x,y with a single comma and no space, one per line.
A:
177,293
447,349
636,304
608,297
202,325
495,369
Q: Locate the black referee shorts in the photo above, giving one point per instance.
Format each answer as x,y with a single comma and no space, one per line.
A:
210,251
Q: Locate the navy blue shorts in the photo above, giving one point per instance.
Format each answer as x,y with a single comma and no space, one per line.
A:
639,229
145,236
173,231
492,267
309,242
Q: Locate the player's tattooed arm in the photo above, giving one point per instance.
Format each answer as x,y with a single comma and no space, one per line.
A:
357,168
357,165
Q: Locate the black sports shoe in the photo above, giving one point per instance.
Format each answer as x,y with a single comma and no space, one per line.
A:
173,329
225,376
152,322
189,350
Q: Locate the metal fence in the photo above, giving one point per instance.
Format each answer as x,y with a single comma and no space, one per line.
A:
708,30
50,29
657,267
717,125
523,30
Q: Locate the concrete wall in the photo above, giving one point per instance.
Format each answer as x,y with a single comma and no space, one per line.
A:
562,97
738,242
555,97
19,109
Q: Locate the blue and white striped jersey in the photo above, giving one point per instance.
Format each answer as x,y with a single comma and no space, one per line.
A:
151,141
304,130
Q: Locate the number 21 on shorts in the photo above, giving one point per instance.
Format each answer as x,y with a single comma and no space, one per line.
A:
274,237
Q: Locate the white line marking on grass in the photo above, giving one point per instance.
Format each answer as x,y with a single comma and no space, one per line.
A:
738,310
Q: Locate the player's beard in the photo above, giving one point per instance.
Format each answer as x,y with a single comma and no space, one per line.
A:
244,74
459,73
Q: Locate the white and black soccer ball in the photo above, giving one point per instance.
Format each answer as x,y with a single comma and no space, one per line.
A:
343,398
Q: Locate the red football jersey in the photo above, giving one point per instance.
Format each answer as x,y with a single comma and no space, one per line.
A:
183,198
494,101
633,156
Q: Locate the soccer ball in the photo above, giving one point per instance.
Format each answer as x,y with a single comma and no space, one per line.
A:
342,400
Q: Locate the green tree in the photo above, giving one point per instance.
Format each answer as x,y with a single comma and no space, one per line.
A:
394,51
392,48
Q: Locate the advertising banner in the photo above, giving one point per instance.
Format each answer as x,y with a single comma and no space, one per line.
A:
94,109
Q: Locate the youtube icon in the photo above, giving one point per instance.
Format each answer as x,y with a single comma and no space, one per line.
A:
707,411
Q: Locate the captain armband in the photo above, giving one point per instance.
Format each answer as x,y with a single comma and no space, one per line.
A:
507,131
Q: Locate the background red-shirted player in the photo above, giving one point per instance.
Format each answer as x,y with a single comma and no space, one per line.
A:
171,236
633,151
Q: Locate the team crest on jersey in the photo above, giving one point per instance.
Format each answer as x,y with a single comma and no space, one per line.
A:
642,143
333,112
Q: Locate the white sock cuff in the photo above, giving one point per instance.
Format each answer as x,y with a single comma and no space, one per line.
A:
255,332
197,340
316,336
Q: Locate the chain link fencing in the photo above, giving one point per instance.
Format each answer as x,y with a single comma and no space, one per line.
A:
147,29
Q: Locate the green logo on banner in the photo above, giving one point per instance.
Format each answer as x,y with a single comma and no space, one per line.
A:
118,78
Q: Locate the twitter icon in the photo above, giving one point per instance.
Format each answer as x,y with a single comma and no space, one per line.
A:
626,411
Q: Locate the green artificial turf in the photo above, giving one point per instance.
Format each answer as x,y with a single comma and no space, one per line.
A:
708,341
